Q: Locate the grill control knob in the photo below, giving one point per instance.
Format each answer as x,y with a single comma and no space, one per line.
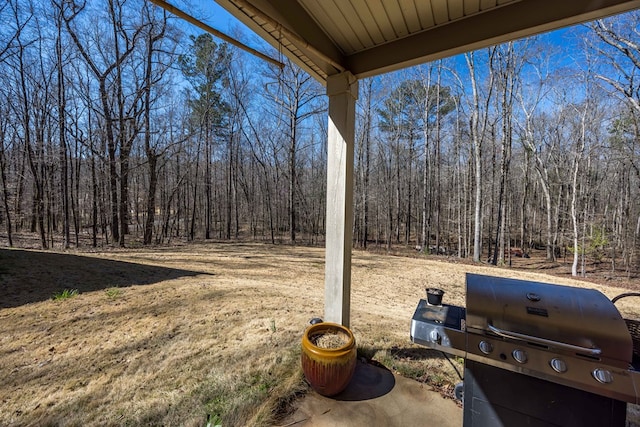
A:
520,355
485,347
602,376
558,365
435,337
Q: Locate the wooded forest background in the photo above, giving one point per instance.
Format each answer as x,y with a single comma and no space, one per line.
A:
117,127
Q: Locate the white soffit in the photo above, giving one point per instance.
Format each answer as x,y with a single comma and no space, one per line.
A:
369,37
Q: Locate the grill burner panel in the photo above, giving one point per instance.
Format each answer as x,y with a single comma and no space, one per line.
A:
577,372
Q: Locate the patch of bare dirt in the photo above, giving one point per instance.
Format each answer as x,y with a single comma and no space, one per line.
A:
156,334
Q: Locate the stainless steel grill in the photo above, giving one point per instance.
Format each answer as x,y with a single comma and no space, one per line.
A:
535,353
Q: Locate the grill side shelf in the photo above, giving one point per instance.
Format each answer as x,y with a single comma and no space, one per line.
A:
439,328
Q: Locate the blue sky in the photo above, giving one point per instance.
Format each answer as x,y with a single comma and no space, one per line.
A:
211,13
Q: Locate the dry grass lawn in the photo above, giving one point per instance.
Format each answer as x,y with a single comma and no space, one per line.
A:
173,335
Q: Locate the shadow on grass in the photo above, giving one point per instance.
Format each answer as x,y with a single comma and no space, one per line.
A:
415,353
32,276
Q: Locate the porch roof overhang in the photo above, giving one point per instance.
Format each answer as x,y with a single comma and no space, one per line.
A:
370,37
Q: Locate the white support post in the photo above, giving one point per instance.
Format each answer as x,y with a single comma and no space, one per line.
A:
342,90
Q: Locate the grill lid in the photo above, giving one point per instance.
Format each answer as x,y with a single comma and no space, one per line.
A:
562,318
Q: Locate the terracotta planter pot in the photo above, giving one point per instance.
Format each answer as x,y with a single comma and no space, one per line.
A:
328,370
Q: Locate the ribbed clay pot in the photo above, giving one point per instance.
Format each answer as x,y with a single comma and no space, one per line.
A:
328,370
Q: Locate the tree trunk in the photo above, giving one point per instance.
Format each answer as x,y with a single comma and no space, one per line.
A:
5,192
580,145
192,230
38,200
111,152
152,157
66,235
207,179
438,161
292,174
476,144
228,172
124,193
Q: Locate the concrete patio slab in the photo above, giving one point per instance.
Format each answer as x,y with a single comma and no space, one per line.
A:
376,397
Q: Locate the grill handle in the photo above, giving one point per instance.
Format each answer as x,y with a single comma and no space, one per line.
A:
543,341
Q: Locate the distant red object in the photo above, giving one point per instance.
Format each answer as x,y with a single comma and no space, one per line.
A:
517,252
